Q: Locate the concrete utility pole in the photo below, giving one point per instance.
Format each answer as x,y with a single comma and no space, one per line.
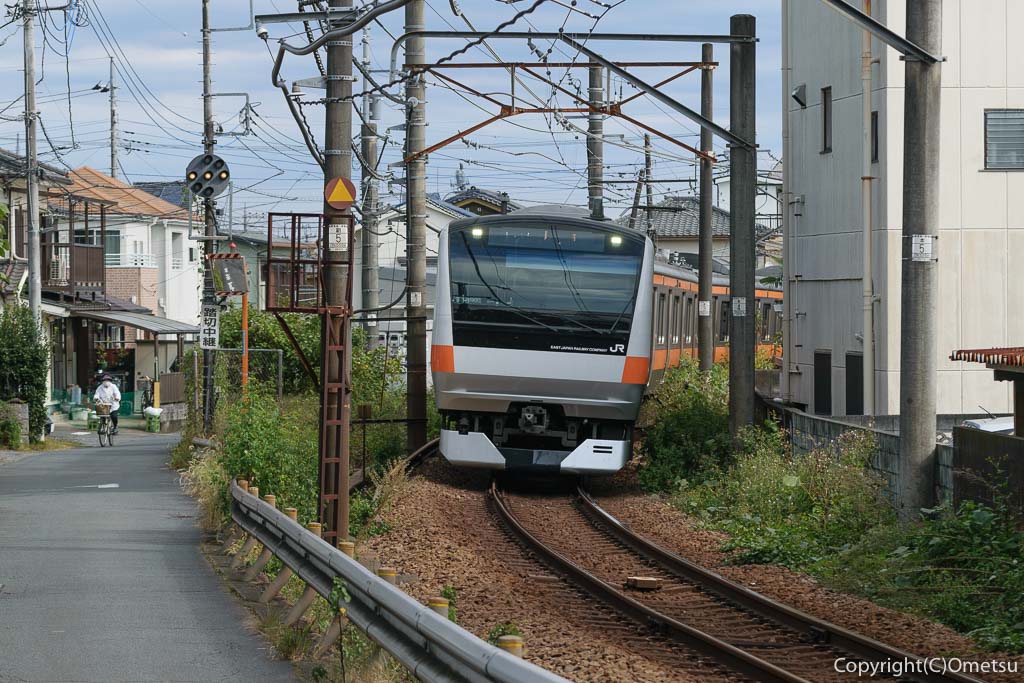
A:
648,169
743,184
919,298
113,123
595,146
706,243
336,371
35,275
209,298
371,282
416,230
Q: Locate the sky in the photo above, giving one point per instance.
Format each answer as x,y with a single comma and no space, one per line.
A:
156,45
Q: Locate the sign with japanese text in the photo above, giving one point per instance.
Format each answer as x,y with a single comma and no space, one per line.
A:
209,327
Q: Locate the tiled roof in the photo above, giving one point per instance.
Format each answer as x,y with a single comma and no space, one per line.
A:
489,196
1009,356
680,217
172,191
14,164
88,182
435,199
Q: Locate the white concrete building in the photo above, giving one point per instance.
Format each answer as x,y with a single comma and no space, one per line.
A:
981,245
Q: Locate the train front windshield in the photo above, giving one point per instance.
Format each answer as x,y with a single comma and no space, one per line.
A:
544,287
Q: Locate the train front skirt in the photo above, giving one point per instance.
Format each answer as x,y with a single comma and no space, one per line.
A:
592,456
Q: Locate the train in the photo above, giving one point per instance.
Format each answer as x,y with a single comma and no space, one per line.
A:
549,331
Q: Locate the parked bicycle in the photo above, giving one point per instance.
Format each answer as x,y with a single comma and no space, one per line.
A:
105,429
146,385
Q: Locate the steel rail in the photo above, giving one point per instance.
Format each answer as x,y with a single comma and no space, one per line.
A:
818,630
430,646
725,653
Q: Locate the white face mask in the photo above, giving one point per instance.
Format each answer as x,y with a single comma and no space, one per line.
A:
106,383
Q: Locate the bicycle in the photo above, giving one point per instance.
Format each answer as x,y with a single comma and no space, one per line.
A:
146,384
105,429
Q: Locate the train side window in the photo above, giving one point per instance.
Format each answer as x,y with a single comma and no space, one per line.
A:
662,314
676,322
689,319
724,321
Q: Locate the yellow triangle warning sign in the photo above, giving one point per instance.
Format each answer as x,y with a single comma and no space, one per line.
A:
340,193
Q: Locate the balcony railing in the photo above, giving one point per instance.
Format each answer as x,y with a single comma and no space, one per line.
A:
73,267
130,261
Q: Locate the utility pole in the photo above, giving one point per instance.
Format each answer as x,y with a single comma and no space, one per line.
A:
743,182
113,123
635,209
867,288
35,275
595,145
371,283
648,169
209,299
416,229
706,243
919,297
336,326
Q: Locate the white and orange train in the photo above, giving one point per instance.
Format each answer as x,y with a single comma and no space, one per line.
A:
548,331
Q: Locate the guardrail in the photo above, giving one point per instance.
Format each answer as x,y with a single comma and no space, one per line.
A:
430,646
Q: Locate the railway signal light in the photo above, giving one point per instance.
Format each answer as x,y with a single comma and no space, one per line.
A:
207,176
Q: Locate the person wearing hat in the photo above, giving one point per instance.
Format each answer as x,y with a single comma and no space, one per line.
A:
107,392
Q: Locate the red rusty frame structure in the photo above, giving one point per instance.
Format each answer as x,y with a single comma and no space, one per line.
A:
510,109
295,268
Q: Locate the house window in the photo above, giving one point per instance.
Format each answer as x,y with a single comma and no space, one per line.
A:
826,120
1004,139
874,137
113,243
724,321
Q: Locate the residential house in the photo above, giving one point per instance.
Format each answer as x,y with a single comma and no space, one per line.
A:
481,202
131,316
980,249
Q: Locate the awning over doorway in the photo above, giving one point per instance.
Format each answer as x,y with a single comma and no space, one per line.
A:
141,321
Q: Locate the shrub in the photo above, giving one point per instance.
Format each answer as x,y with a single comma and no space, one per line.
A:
24,361
10,428
274,446
687,430
964,568
790,510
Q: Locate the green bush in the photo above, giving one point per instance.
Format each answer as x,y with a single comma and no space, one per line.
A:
274,446
508,628
687,430
24,362
10,428
964,568
788,510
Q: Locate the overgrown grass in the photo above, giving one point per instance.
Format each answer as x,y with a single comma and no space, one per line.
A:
787,510
687,427
825,513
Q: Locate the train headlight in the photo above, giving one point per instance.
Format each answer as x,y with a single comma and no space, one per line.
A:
477,232
616,240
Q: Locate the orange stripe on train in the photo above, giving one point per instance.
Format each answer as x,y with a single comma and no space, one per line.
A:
442,358
636,370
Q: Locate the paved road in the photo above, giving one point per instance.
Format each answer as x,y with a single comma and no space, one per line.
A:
107,584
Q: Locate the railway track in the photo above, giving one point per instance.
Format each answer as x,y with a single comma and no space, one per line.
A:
682,604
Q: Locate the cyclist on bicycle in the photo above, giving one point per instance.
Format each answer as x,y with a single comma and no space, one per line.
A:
107,392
